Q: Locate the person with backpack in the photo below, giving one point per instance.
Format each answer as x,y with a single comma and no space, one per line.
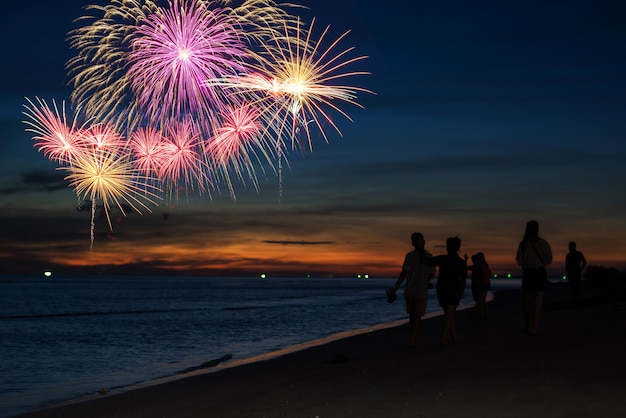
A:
533,255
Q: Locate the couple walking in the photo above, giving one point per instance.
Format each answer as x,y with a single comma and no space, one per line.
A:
418,269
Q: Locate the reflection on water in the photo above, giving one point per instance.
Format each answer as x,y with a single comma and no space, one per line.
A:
62,338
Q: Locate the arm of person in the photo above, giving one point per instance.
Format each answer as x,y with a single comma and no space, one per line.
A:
519,257
583,262
401,278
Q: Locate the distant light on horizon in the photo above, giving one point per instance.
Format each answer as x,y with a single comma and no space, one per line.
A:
47,273
508,275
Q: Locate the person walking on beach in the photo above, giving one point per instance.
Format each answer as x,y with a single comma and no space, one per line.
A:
450,285
533,255
481,283
417,275
575,263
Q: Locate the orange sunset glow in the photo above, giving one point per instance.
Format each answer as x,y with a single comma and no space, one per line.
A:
475,128
189,243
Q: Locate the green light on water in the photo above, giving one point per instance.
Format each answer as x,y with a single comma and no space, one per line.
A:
263,276
508,276
564,277
47,273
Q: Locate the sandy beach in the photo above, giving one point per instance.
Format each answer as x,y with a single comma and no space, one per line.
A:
575,368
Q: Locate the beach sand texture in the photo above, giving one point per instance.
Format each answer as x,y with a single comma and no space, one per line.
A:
575,368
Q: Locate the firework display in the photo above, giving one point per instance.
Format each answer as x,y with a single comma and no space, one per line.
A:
190,95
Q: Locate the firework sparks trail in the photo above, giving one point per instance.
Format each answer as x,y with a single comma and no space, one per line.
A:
181,161
238,142
105,176
98,72
147,145
262,18
190,30
59,140
103,136
175,94
176,50
295,79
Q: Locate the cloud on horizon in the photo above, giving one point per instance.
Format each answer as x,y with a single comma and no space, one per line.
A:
302,242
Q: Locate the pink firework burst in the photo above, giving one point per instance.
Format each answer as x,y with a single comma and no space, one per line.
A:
103,136
240,139
147,146
240,131
59,140
181,161
176,50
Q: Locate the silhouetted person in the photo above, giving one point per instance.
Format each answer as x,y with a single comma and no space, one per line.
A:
481,283
533,255
417,275
575,263
450,285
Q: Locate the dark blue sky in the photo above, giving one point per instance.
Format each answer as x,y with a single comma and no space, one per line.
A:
487,114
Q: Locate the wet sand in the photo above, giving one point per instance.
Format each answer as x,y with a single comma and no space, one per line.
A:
575,368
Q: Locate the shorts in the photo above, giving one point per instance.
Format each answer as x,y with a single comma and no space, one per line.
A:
418,304
448,297
534,280
478,289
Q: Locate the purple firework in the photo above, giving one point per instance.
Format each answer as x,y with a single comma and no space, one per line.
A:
177,49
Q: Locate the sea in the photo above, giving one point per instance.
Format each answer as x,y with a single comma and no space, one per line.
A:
63,338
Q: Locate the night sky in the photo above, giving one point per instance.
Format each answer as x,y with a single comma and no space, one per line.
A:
486,114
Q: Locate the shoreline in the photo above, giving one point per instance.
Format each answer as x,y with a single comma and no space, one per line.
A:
573,369
228,364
